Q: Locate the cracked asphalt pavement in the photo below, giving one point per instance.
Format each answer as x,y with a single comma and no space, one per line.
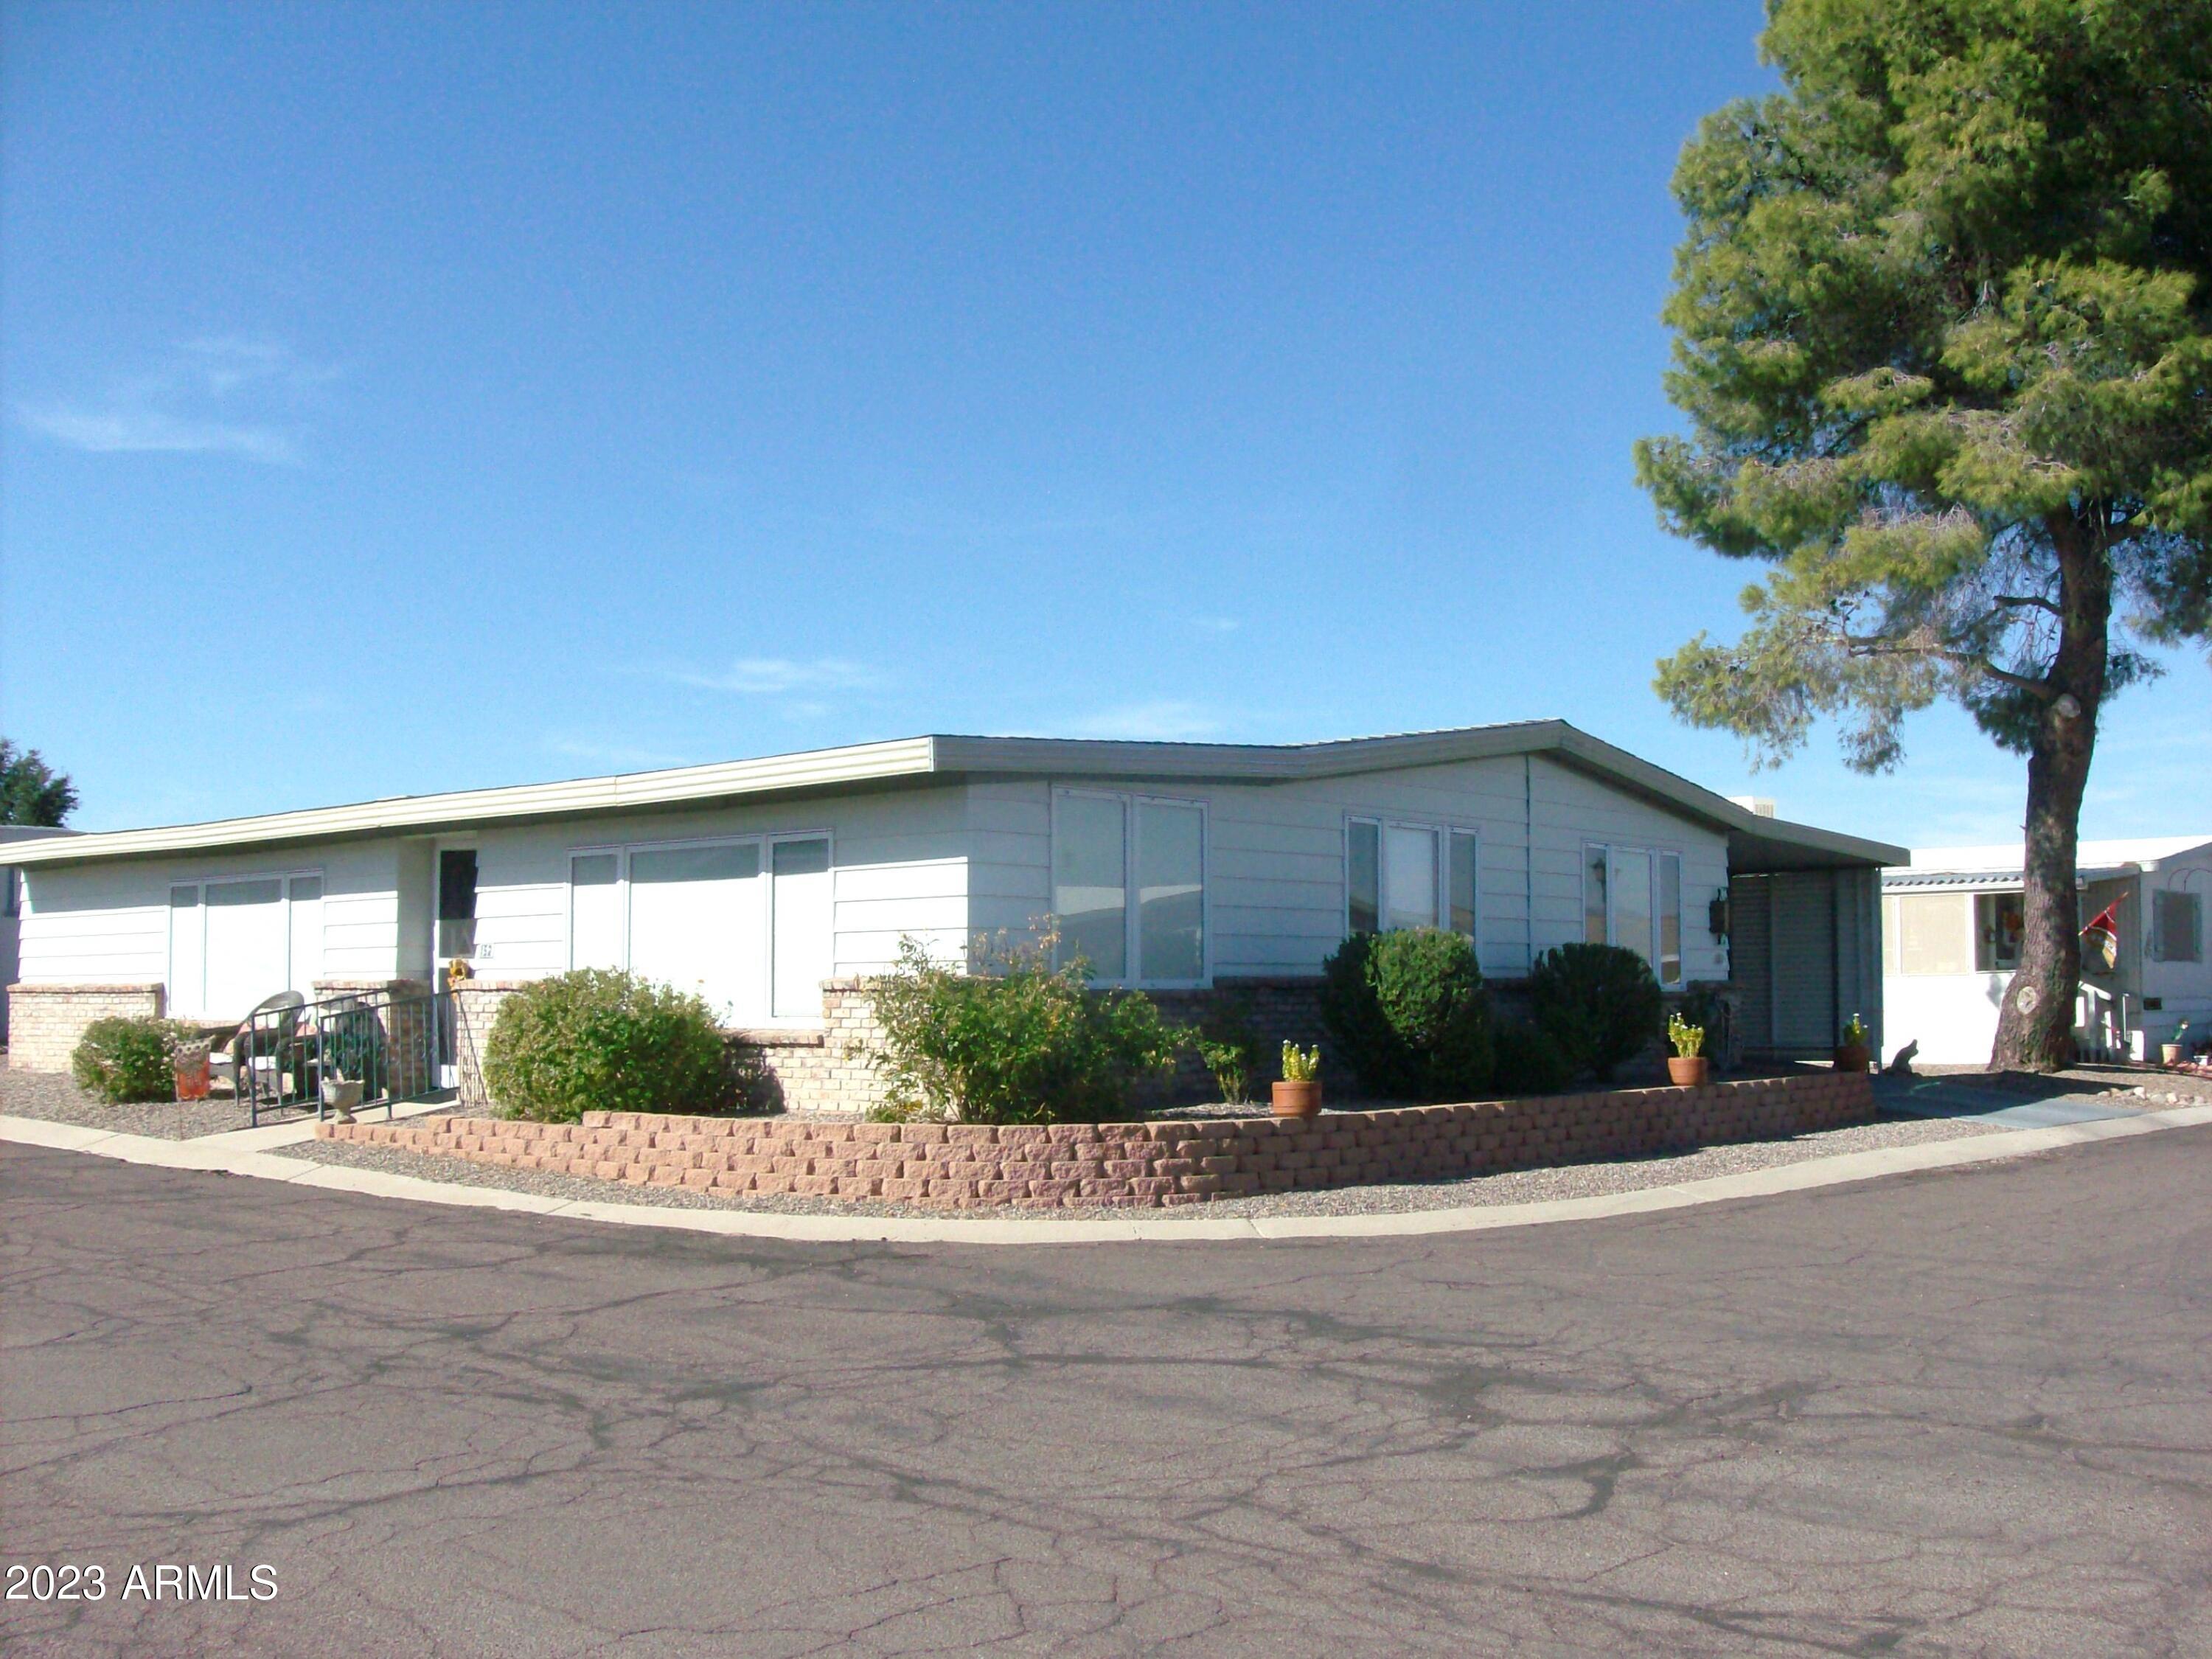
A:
1959,1413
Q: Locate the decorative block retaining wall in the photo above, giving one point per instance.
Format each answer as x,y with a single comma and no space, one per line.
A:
968,1166
44,1021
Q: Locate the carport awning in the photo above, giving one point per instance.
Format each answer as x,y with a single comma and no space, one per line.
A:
1778,844
1984,881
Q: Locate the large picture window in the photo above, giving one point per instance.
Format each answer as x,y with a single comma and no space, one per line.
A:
1398,875
1128,886
747,923
1632,897
235,942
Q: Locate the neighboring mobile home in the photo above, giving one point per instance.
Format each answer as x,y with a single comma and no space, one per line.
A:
776,886
1952,931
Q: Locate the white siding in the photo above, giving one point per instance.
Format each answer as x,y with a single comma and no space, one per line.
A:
898,867
1275,871
109,923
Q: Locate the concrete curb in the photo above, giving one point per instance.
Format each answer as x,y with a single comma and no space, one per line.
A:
1804,1176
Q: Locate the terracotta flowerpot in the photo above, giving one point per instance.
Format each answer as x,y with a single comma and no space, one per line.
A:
192,1071
2169,1054
1851,1056
1689,1071
1297,1099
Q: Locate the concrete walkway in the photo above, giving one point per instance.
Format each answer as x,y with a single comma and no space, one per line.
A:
2023,1104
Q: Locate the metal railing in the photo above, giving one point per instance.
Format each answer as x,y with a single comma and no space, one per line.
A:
397,1046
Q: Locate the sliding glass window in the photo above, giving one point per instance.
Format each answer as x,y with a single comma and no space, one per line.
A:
1402,875
1105,847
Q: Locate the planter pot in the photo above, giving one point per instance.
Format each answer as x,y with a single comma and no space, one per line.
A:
194,1073
1297,1099
2169,1054
1851,1056
1688,1071
340,1097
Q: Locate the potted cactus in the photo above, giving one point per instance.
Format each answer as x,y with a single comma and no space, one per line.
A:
1299,1095
2177,1051
1852,1053
1687,1067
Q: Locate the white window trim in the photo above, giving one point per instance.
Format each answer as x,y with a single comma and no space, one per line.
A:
766,841
1443,829
1613,849
199,885
1132,916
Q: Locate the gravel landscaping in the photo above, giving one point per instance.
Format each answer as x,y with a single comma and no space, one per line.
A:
1518,1186
52,1096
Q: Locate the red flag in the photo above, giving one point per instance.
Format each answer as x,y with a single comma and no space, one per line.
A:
2102,937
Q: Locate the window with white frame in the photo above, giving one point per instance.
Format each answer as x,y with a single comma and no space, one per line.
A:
1128,885
235,942
1399,874
2177,925
1632,897
746,921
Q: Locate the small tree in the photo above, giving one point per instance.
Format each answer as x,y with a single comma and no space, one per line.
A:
31,792
1944,337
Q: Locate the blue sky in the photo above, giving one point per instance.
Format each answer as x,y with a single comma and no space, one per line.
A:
401,398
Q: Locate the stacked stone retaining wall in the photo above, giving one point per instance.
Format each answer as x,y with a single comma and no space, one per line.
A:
1174,1162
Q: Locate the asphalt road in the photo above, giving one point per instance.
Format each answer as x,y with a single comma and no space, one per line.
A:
1961,1412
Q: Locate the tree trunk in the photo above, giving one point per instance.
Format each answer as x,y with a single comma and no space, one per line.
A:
2035,1022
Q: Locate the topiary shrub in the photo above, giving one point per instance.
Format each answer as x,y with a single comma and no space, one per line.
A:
1408,1013
1599,1003
128,1058
1016,1040
600,1040
1527,1062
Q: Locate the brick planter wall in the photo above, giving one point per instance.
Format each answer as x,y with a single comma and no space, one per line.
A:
1030,1166
44,1021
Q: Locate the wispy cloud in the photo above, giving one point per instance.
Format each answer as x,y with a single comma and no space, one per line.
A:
1213,624
772,677
231,395
145,431
1150,722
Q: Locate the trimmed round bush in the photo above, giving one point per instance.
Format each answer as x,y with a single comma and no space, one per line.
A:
600,1040
1408,1013
1599,1003
128,1058
1527,1061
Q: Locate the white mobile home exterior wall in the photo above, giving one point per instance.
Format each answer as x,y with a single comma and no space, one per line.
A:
1275,878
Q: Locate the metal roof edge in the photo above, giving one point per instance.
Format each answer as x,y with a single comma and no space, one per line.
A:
951,756
723,780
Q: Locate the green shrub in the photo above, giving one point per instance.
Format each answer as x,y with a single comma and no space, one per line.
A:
1231,1049
1599,1002
1409,1014
129,1058
1527,1061
1016,1040
600,1040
